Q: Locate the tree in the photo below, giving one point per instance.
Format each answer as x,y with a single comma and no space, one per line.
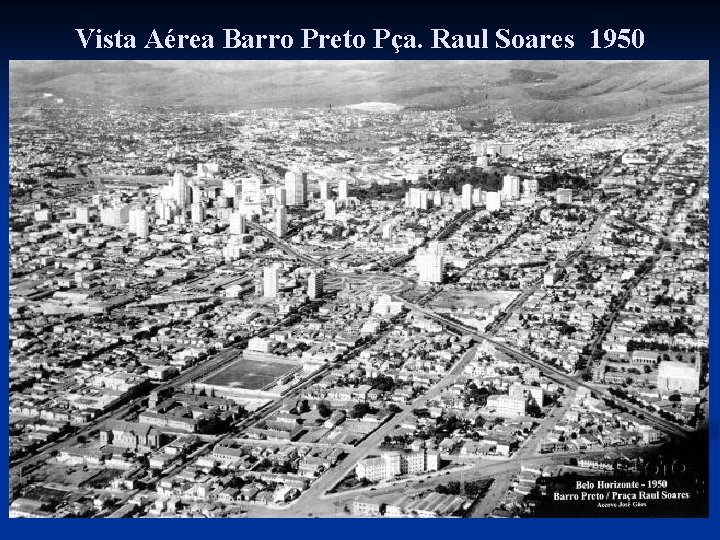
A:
302,406
383,383
359,410
324,409
473,489
534,411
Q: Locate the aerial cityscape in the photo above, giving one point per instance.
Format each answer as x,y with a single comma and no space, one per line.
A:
358,289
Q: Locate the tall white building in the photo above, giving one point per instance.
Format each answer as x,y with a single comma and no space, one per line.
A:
237,223
296,187
467,197
492,201
138,222
197,212
530,188
511,187
387,230
115,216
430,263
477,196
164,210
280,221
343,189
231,189
82,215
324,190
330,210
271,278
196,193
315,284
281,195
180,190
417,198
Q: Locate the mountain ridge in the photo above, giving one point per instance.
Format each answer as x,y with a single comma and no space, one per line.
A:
538,90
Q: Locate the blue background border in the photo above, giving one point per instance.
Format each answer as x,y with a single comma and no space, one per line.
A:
679,31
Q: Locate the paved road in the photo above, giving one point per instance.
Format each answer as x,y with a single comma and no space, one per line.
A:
500,471
286,246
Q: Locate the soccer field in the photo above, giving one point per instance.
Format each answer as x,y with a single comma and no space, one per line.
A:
250,374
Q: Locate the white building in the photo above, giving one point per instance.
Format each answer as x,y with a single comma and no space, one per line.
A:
430,263
296,187
467,197
197,212
330,210
388,465
417,198
552,276
507,406
492,201
477,197
196,192
315,284
343,189
563,196
115,216
164,210
138,222
231,189
633,158
251,190
180,190
324,190
82,215
530,188
271,277
281,221
237,223
388,229
511,187
281,195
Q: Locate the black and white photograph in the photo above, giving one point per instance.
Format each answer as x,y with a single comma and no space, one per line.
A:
358,288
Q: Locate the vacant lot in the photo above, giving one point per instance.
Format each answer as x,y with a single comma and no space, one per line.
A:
473,300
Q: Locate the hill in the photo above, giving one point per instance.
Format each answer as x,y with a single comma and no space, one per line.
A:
534,90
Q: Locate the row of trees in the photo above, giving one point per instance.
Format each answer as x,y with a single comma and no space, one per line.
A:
492,181
470,489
